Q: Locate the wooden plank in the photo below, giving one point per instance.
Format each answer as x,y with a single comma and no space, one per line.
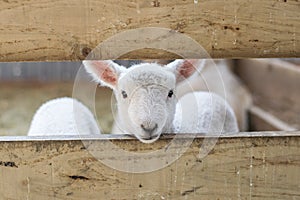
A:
274,85
262,165
68,30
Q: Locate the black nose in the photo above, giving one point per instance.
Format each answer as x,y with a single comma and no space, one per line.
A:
149,129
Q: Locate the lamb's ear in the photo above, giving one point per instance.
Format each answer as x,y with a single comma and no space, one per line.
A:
105,72
183,69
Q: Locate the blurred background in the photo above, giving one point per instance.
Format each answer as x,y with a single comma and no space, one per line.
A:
274,85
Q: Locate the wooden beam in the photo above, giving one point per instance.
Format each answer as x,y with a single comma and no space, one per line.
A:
257,165
274,85
69,30
260,120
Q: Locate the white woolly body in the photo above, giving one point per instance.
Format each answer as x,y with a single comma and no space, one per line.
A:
204,112
63,116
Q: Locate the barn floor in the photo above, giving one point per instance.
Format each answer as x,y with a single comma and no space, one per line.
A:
19,101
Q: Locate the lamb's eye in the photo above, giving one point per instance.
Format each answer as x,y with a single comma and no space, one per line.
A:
170,93
124,94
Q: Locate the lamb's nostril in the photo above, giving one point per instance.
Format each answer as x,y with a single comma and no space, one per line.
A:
149,129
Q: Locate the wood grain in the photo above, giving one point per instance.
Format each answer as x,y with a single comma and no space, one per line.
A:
261,165
67,30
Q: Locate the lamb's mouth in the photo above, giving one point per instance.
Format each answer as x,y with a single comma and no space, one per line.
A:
149,139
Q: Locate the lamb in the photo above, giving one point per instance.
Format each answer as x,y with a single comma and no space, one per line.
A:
216,77
63,116
147,103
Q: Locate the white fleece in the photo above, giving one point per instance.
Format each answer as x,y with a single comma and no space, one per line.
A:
204,112
63,116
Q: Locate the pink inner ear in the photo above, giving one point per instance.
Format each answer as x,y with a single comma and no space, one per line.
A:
109,76
105,72
187,69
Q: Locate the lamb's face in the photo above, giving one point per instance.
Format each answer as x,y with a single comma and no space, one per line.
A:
145,93
146,101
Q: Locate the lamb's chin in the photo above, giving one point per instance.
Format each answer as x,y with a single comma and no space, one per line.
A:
147,141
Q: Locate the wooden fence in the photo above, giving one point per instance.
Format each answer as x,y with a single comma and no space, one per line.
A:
258,165
68,30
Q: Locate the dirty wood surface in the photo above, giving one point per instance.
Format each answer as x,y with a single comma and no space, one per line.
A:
67,30
257,165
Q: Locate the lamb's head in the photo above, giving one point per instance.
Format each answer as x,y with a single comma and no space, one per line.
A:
145,93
